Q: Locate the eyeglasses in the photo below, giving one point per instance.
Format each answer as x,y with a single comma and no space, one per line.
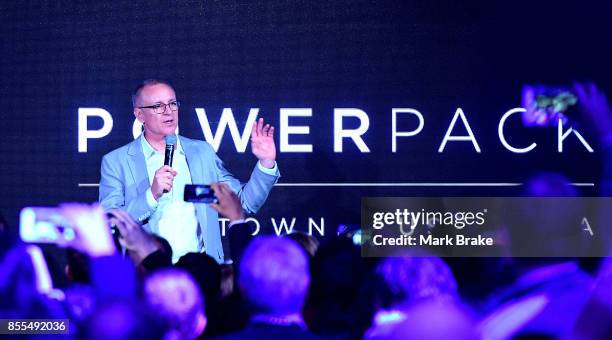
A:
161,107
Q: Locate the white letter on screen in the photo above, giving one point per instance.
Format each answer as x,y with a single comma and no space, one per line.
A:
283,226
502,138
355,135
257,225
469,137
227,120
286,130
319,227
395,133
84,133
561,136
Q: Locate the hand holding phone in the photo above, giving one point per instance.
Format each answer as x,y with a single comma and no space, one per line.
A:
595,107
93,236
132,236
80,226
220,197
228,202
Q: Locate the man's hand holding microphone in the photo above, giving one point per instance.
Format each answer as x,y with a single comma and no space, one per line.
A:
162,181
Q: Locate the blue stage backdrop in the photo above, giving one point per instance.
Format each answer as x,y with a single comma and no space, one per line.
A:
327,74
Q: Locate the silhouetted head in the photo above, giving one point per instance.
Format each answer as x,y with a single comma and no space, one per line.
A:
307,242
408,280
274,275
206,272
175,298
432,320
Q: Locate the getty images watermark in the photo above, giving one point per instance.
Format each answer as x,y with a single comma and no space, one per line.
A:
518,226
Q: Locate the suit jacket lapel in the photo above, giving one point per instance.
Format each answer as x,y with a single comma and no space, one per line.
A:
191,155
138,166
197,175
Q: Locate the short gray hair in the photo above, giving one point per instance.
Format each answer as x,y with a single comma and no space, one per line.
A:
145,83
175,298
274,275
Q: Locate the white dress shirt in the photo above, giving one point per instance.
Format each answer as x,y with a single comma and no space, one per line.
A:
172,218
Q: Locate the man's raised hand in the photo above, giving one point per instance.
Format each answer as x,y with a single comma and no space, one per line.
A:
262,143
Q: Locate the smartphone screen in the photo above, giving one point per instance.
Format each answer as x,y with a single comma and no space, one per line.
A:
199,193
44,225
545,105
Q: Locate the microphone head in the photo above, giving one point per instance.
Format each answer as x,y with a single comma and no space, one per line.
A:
170,139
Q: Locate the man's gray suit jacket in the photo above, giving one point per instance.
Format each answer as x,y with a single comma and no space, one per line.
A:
124,182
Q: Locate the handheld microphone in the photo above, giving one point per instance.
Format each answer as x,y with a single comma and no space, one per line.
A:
169,154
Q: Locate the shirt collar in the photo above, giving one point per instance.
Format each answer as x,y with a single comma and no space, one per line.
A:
149,152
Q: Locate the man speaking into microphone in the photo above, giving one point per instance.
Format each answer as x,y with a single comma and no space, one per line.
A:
135,178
